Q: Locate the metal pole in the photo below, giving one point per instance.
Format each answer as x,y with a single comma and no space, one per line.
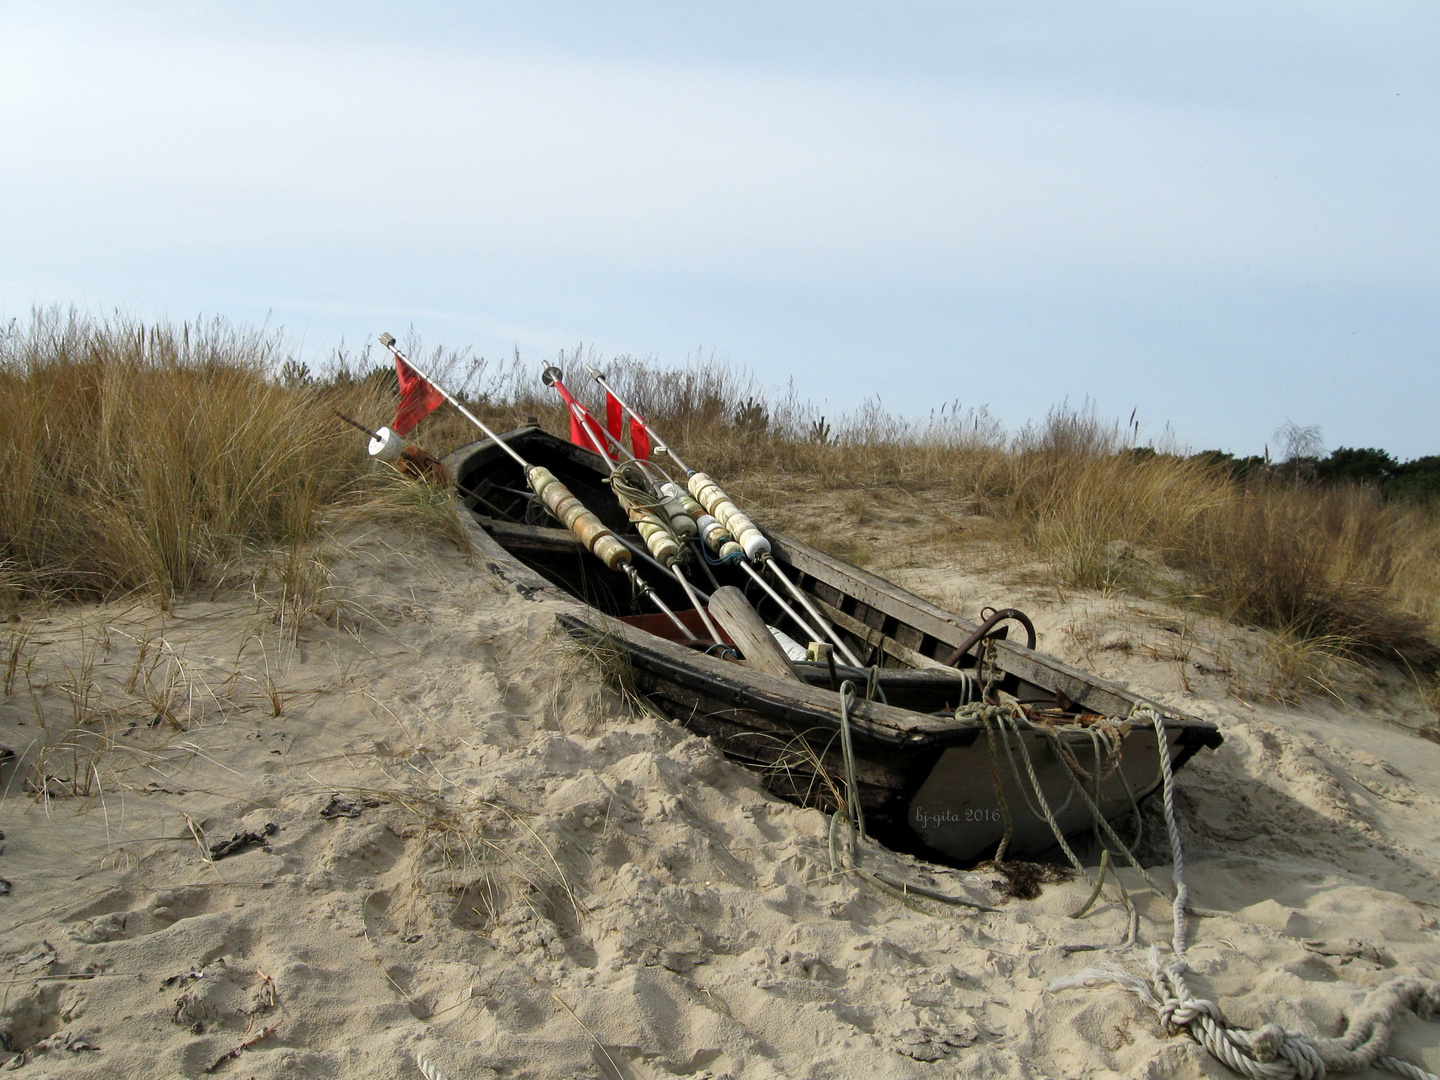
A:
799,594
810,632
553,375
654,597
356,424
389,343
794,589
660,443
641,551
630,571
699,546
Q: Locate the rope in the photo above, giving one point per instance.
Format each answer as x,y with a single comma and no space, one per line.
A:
632,488
853,811
854,817
648,513
733,557
1002,717
1105,825
1269,1052
1079,912
998,781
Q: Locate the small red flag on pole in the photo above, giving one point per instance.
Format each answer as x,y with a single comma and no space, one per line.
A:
639,438
615,424
418,399
614,416
584,429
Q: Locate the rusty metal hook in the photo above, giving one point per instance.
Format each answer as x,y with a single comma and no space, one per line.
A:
989,624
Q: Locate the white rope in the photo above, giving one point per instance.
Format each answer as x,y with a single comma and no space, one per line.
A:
1269,1052
429,1071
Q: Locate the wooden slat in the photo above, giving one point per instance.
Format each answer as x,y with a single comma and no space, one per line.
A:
1086,690
796,702
534,537
871,636
758,648
933,680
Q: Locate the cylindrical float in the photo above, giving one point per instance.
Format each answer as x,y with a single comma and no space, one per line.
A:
741,527
386,445
571,511
659,539
681,522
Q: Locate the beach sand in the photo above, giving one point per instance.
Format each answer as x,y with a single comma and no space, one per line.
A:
469,849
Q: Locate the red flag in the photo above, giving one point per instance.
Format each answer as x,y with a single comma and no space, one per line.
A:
640,438
418,399
615,424
584,429
614,418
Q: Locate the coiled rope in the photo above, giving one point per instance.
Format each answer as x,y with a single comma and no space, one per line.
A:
1268,1052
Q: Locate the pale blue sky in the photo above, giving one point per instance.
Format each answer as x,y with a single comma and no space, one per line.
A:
1224,215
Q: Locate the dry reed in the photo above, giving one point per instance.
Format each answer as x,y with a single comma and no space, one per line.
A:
1336,570
145,458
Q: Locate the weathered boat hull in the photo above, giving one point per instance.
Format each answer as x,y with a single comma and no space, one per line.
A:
928,783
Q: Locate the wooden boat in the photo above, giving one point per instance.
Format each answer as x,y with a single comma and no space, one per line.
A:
929,783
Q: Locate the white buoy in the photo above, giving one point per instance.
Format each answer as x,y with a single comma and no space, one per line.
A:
386,445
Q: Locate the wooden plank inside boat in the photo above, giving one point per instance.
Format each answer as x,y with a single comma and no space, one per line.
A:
758,648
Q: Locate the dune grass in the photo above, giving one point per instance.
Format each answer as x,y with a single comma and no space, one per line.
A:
144,458
148,458
1333,569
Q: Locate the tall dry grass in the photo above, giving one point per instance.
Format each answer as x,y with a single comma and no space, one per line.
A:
146,457
1337,568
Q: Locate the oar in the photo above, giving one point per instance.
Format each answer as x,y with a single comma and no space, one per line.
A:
716,502
561,502
658,542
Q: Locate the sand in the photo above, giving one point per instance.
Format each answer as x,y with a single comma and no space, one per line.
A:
469,849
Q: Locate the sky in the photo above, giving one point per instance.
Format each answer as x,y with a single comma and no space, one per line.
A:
1222,216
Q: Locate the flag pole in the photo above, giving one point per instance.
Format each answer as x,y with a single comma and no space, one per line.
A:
554,378
389,343
755,545
765,586
603,543
660,444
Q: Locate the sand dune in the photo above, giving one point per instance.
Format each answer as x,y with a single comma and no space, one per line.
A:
483,858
